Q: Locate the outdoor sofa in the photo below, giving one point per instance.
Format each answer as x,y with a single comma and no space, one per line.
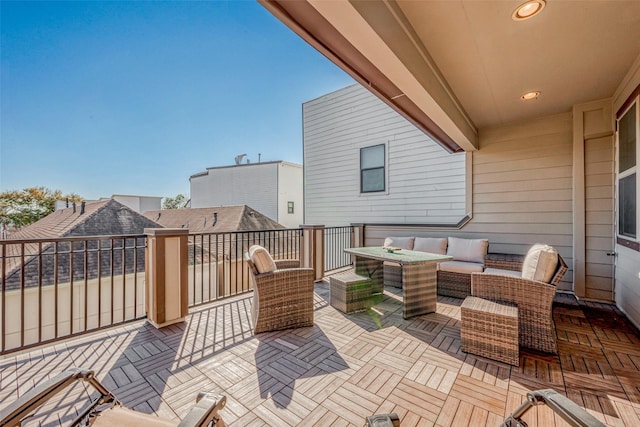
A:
454,277
469,256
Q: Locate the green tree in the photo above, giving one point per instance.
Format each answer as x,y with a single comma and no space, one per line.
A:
178,202
23,207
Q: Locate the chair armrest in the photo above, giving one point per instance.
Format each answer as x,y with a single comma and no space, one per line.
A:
504,261
568,410
502,287
287,263
205,411
286,279
37,396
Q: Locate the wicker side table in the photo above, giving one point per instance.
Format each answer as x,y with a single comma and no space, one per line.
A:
349,292
490,329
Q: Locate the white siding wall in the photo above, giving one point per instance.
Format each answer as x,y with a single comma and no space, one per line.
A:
150,204
254,185
627,287
522,191
290,190
140,204
132,202
599,199
425,184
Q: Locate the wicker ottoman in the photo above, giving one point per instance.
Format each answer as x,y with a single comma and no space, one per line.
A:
350,292
490,329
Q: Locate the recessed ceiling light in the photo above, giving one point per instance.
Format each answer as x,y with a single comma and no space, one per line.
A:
528,9
530,95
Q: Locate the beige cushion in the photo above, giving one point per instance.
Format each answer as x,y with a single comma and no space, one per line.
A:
399,242
513,273
461,267
123,417
430,244
540,263
472,250
261,259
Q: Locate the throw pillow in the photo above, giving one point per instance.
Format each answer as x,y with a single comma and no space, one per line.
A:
399,242
262,259
430,244
540,263
472,250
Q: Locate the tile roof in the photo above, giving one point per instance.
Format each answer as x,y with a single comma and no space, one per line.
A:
101,218
214,219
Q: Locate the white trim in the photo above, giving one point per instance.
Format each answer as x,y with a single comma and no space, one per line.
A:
633,170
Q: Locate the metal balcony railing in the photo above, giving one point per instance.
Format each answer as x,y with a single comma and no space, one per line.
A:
217,268
56,288
336,239
52,289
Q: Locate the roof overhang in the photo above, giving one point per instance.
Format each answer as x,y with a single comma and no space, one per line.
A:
373,45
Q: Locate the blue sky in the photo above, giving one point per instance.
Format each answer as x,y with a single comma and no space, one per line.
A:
102,98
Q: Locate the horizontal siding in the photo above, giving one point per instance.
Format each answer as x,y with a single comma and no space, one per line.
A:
599,177
425,184
522,192
522,187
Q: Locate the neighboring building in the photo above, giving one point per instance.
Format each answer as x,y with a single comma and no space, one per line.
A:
102,218
364,162
272,188
213,220
139,204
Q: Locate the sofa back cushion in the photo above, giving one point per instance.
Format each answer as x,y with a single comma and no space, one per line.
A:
472,250
261,259
540,263
430,244
399,242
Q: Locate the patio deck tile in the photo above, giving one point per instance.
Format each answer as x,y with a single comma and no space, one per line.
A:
342,369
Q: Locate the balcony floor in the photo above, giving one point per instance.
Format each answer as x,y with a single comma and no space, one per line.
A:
344,368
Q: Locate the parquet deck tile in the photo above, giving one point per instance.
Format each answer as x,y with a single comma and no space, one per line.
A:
479,393
418,399
342,369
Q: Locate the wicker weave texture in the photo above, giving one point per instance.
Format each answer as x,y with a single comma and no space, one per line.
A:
534,300
372,269
282,299
350,292
452,284
490,329
392,274
504,261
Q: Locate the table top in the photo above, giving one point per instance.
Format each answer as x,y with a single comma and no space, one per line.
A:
401,256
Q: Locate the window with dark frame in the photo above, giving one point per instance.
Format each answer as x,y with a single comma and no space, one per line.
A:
290,207
627,173
372,169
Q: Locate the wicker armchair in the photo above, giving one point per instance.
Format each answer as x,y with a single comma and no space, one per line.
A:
534,300
282,299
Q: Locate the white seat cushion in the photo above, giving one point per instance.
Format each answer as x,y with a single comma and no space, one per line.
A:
471,250
399,242
540,263
504,272
430,244
261,259
461,267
